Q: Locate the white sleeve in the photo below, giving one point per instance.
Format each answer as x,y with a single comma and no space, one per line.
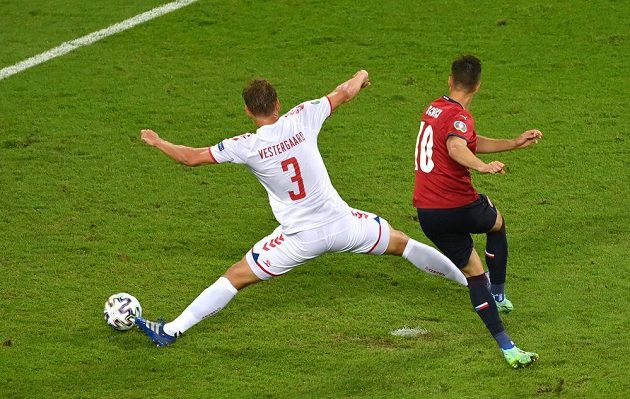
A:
234,149
316,112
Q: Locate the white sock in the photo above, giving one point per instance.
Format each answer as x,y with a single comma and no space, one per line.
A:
208,303
430,260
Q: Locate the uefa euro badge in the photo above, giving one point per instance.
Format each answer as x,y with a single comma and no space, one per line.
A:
461,126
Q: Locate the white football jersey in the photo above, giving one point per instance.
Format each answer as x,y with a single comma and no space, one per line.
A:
285,159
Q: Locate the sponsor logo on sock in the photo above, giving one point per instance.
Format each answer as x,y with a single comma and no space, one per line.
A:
428,269
482,306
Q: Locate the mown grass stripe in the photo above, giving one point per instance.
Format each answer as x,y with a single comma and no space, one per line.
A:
93,37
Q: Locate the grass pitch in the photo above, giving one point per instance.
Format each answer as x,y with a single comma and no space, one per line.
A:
86,210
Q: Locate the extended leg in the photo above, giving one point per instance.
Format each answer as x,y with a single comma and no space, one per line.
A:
209,302
424,257
214,298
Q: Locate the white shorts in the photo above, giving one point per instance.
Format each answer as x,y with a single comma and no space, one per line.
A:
359,232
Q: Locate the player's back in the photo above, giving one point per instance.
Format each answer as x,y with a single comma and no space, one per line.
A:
441,182
285,159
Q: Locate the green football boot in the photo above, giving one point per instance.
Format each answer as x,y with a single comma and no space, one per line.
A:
504,306
518,358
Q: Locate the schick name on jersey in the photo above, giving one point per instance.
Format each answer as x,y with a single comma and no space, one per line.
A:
433,111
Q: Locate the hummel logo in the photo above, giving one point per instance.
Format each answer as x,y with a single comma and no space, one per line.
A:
434,271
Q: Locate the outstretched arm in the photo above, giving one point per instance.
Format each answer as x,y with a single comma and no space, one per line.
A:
349,89
185,155
486,145
459,151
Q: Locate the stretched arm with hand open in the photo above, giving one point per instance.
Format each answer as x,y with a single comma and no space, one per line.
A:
487,145
188,156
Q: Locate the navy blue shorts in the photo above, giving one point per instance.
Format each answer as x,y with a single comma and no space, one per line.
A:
450,229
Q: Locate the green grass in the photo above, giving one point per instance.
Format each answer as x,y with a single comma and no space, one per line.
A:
86,210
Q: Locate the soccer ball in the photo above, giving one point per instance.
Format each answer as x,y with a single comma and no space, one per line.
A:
121,311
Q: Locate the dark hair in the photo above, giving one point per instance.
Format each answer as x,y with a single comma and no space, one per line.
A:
260,97
466,72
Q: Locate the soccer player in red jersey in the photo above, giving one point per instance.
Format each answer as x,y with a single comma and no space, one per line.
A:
449,207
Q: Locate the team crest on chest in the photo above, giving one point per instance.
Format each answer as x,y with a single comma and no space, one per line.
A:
461,126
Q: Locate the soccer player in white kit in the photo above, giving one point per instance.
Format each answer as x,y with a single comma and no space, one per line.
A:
314,219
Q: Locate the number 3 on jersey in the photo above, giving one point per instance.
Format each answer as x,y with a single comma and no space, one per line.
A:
424,148
297,178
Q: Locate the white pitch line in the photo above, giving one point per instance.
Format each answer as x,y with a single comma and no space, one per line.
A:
86,40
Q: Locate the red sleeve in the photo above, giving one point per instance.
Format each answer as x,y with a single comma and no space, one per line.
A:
461,126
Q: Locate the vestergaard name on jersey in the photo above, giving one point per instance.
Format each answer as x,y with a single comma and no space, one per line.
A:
281,147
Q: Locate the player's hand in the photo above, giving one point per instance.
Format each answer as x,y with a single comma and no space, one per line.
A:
492,168
528,138
149,137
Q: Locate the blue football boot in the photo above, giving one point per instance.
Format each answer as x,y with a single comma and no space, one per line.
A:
155,331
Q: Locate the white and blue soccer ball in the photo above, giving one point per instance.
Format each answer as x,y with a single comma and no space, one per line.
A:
121,311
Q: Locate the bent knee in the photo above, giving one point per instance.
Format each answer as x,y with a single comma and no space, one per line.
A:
474,267
498,223
397,242
241,275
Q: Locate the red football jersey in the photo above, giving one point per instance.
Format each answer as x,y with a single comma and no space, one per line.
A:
440,181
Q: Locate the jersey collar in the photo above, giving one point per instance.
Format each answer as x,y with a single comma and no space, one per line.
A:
447,98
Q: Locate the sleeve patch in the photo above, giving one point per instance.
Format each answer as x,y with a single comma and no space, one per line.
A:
461,126
220,146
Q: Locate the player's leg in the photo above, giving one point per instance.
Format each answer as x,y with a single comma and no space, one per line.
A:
272,256
482,300
496,259
484,304
366,233
447,230
496,253
209,302
214,298
424,257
